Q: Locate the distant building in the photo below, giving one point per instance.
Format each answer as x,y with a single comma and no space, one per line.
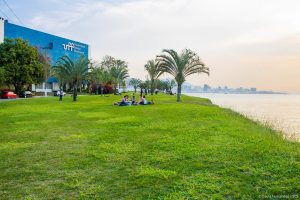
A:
47,44
206,88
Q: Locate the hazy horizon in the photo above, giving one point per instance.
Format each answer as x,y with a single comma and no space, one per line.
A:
245,43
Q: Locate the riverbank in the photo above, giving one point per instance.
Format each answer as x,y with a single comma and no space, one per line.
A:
281,112
91,149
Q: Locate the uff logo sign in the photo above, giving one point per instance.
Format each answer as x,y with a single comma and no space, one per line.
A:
70,46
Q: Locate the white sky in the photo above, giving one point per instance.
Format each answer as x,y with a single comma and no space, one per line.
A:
248,43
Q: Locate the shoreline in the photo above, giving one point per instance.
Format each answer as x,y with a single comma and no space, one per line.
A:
287,129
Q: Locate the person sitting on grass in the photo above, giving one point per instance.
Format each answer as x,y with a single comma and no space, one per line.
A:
133,101
143,101
123,102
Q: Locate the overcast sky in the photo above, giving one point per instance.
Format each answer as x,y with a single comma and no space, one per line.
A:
247,43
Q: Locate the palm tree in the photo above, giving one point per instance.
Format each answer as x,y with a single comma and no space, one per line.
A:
134,82
74,72
154,72
118,73
105,78
123,72
60,74
147,85
181,65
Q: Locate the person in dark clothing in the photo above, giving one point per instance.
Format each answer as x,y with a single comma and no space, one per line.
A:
141,93
60,94
133,100
124,101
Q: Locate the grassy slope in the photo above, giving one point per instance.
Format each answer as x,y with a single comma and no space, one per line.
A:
170,150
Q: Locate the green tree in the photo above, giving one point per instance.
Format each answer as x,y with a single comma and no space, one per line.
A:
90,75
154,72
45,60
181,65
145,85
20,63
118,73
61,75
167,84
74,73
161,84
134,82
100,76
170,84
123,72
2,76
108,62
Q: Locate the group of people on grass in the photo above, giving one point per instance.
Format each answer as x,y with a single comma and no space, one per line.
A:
126,102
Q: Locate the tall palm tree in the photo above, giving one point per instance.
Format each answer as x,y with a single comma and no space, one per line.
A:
134,82
181,65
154,72
75,72
60,74
118,73
123,72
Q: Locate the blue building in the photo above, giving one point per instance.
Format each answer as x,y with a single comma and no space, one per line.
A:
47,44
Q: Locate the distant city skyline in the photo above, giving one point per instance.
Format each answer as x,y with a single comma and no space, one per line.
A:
245,43
189,88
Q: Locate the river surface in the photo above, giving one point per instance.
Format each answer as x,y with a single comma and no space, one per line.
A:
280,111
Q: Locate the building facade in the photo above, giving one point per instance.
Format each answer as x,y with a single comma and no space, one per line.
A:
47,44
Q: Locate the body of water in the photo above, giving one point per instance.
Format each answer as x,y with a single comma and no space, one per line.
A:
281,111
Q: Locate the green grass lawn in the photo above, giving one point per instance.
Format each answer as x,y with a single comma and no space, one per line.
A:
90,149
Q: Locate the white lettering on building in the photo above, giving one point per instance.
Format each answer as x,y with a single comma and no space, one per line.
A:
70,46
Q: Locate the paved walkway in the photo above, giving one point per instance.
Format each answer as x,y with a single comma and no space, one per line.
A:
5,100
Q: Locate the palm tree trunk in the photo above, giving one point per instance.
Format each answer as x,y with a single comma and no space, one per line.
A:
75,92
178,92
115,89
152,86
